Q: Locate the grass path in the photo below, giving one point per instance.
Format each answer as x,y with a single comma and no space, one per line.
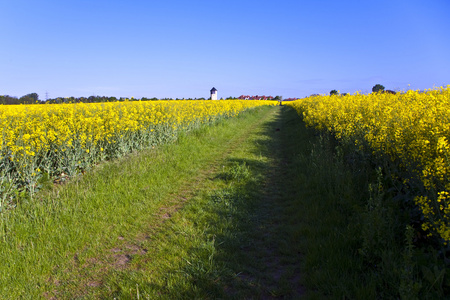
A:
196,219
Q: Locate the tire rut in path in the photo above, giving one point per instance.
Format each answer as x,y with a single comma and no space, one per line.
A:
278,274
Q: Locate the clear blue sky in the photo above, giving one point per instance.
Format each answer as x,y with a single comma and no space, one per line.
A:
176,49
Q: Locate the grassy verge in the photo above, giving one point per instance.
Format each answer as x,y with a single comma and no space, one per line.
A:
324,217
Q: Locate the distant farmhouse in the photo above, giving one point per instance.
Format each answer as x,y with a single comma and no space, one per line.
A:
247,97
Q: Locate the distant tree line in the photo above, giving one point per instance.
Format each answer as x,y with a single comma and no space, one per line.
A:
32,98
377,88
91,99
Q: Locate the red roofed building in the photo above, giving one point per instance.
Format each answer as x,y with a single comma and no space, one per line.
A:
247,97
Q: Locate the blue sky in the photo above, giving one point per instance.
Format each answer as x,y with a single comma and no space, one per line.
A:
176,49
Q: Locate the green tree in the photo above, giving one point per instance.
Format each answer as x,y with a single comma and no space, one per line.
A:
34,96
377,88
29,98
6,99
334,92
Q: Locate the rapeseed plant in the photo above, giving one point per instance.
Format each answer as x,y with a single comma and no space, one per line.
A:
57,139
412,128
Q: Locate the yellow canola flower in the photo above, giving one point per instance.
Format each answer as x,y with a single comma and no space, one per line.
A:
42,126
42,136
411,127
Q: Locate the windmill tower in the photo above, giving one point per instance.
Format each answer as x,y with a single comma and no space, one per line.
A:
213,93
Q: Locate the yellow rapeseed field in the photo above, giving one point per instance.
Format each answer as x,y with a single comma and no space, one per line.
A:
55,139
411,128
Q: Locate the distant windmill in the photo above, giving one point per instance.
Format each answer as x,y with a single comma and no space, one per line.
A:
213,93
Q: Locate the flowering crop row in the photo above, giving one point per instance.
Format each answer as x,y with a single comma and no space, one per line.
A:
57,139
411,128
